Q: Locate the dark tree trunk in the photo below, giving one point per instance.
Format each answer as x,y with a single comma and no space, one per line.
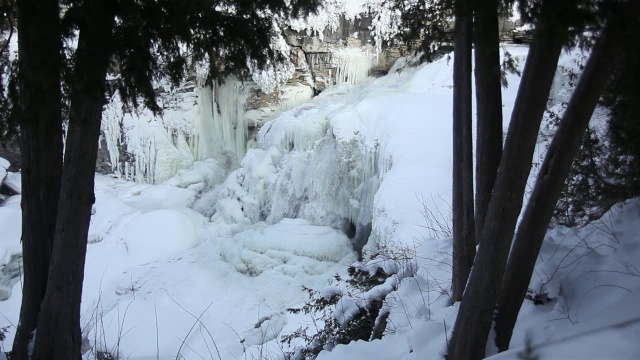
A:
478,304
550,181
39,47
488,104
59,323
463,220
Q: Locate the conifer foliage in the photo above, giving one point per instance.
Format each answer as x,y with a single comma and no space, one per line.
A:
426,25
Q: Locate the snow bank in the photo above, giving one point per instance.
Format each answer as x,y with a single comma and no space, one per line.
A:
609,334
590,276
161,233
301,239
289,246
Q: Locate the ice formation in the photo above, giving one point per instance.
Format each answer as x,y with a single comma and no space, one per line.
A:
111,131
222,129
385,23
331,12
274,75
312,165
327,18
352,65
199,122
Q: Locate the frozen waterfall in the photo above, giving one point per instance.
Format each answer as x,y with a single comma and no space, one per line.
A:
313,164
221,128
198,122
352,65
202,122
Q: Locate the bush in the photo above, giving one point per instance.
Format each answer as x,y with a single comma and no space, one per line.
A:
350,309
321,306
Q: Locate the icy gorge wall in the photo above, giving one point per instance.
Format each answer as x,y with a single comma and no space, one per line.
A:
201,122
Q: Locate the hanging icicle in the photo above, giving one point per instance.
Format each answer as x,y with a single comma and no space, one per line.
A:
352,65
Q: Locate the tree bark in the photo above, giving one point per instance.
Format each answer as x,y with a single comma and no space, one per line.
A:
463,219
59,322
476,310
550,180
488,104
39,47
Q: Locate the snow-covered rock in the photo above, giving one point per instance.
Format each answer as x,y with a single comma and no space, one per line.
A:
13,182
4,165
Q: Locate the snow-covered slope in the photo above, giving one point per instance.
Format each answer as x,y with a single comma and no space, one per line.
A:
587,279
206,263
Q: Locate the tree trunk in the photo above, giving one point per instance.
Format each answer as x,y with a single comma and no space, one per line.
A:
550,181
476,311
488,104
41,151
463,221
59,323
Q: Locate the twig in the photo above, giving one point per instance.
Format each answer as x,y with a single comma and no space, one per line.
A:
155,308
184,340
201,323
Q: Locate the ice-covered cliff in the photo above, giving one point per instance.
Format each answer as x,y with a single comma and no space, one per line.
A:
221,121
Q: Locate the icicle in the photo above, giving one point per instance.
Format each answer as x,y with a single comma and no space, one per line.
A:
110,126
305,171
196,124
221,130
352,65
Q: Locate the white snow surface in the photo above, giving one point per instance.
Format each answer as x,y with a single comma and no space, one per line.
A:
205,265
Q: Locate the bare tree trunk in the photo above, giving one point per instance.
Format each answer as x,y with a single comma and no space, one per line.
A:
476,311
463,219
59,323
488,104
550,181
39,47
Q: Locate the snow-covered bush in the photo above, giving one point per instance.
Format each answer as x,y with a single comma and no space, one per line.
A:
352,308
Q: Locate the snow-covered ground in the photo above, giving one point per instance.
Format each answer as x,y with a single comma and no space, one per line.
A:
206,263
